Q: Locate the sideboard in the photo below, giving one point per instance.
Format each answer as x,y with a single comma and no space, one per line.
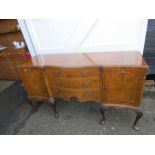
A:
115,79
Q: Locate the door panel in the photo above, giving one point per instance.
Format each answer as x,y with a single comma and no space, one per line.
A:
123,85
33,81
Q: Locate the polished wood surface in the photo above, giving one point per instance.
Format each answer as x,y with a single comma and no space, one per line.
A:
59,60
10,60
72,72
114,59
117,77
123,86
2,55
103,59
6,71
34,82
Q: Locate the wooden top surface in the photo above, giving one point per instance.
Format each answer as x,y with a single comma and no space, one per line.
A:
60,60
106,59
131,58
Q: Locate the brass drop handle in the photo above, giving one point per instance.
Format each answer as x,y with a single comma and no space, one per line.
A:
105,87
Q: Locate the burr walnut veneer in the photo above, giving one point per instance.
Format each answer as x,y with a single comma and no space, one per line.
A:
115,79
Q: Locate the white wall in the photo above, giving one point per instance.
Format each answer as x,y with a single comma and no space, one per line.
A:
64,36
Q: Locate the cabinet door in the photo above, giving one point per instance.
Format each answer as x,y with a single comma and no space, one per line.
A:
123,86
6,71
33,81
14,64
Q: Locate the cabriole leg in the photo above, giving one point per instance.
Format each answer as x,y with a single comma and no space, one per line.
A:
52,101
138,117
31,104
35,108
102,111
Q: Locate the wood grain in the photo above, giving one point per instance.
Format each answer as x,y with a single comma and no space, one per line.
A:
114,78
10,57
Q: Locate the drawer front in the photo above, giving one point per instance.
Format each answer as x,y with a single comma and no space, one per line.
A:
89,95
72,83
71,73
19,53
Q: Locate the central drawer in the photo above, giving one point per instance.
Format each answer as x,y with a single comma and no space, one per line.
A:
80,83
85,95
74,83
54,72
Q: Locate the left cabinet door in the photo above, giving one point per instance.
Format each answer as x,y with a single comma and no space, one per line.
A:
6,71
34,82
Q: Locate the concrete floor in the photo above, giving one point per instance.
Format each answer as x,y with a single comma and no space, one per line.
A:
5,84
82,119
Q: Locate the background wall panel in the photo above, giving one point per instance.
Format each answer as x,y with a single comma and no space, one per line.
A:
71,36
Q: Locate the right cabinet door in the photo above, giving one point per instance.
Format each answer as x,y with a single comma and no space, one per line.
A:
123,86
